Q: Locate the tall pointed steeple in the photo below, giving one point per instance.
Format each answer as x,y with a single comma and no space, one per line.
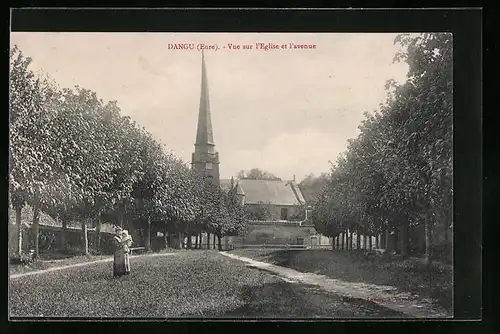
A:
204,134
205,160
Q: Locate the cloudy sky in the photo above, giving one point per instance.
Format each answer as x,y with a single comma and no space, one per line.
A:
287,111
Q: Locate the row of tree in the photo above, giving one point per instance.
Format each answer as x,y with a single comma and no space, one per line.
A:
397,174
74,157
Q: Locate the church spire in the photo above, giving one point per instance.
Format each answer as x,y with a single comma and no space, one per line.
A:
205,160
204,134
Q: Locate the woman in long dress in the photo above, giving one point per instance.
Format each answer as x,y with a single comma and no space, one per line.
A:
127,243
119,254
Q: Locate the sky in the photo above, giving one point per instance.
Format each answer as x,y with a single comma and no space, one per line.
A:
286,111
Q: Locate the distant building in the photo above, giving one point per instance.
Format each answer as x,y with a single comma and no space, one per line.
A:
282,199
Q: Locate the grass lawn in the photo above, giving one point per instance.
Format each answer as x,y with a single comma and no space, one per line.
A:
61,259
186,284
52,260
351,266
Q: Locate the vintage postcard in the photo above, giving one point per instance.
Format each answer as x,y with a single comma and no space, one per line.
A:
231,175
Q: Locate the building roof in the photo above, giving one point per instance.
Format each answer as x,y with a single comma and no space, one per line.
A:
268,191
239,189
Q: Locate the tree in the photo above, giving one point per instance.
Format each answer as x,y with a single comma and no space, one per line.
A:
259,211
257,174
238,220
430,99
31,157
90,158
311,186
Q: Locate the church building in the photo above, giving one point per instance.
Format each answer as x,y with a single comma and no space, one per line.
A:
282,199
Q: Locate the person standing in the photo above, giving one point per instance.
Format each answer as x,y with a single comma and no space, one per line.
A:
127,243
119,254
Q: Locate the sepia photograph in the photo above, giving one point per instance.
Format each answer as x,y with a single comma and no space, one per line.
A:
240,175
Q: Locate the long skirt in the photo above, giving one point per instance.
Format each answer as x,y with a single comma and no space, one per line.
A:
119,266
127,263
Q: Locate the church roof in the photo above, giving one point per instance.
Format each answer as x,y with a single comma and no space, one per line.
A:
268,191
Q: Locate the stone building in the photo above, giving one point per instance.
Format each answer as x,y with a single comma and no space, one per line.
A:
282,199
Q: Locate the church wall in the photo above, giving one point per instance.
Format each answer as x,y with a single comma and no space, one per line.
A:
278,233
274,210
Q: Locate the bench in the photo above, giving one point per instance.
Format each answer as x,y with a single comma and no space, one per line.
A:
273,246
138,250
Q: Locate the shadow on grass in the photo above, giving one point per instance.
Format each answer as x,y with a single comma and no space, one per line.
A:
285,300
353,266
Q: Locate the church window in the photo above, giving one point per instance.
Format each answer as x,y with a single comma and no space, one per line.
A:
208,165
284,213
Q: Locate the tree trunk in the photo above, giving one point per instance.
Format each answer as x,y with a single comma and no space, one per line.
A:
387,240
219,242
447,247
208,240
351,240
19,227
36,229
147,234
120,218
365,242
397,241
189,237
85,239
428,241
180,240
358,241
166,235
383,240
403,239
214,242
370,242
97,242
196,241
342,241
64,229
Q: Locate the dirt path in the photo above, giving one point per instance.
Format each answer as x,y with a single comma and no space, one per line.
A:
386,296
43,271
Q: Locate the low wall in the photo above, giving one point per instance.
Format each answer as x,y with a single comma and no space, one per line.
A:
49,239
279,233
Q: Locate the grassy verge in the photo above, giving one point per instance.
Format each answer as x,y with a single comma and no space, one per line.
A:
409,275
61,259
55,259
